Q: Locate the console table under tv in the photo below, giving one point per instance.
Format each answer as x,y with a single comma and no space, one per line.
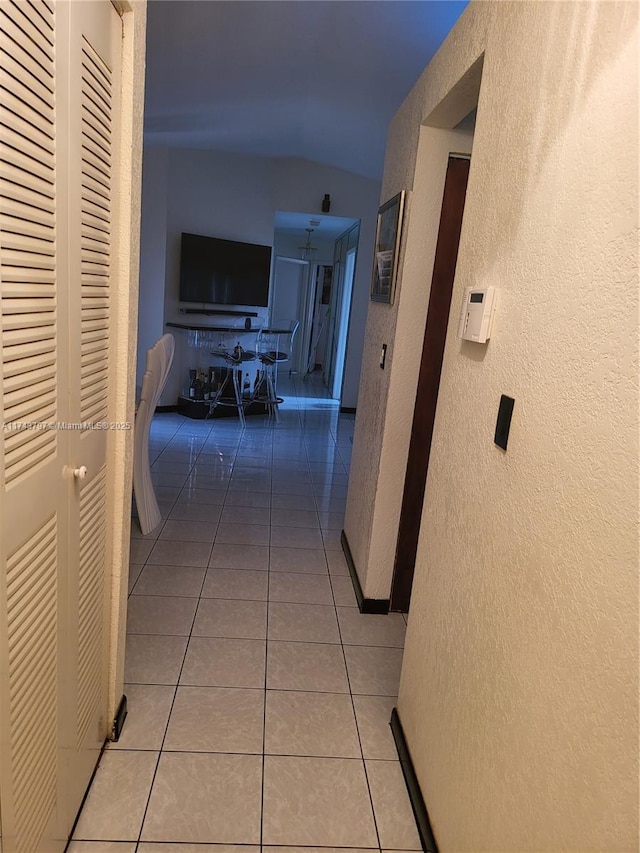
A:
227,373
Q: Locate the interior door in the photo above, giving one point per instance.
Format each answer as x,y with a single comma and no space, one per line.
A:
57,179
33,492
345,255
94,106
322,301
342,322
339,253
442,279
289,298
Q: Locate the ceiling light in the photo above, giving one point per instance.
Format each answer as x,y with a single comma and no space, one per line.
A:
308,250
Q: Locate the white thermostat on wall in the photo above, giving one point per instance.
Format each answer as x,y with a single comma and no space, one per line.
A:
476,316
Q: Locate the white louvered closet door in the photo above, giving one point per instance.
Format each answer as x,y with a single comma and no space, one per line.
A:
59,74
93,103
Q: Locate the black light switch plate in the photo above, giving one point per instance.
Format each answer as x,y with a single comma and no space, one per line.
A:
503,423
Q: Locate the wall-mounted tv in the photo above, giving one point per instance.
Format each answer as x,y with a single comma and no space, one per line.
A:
223,272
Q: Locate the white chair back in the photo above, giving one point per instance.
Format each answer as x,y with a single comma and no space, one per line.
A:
159,359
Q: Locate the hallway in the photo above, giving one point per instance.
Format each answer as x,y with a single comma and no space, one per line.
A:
259,697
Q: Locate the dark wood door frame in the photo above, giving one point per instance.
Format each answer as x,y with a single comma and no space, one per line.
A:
435,332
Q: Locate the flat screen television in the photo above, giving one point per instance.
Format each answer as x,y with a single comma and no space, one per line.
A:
223,272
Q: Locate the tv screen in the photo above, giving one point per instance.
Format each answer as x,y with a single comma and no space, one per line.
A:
224,272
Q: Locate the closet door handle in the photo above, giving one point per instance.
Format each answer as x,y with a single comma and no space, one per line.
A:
80,473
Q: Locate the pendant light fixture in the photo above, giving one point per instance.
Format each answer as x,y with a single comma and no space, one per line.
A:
308,249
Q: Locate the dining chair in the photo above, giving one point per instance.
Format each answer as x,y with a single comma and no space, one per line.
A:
159,359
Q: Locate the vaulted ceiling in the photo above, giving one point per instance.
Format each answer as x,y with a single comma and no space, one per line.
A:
313,79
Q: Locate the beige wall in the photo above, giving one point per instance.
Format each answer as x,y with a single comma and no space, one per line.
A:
519,689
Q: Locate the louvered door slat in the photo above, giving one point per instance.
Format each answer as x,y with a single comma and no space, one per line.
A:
34,299
27,205
30,117
93,132
95,193
94,267
20,468
91,599
94,164
12,136
13,362
21,403
96,90
26,161
94,249
92,361
32,682
21,262
98,233
24,101
29,409
96,111
96,393
18,274
94,154
96,218
38,27
92,173
14,339
95,214
22,32
14,243
24,232
16,169
94,409
23,66
34,615
98,74
39,365
98,314
21,192
21,443
36,215
25,71
94,371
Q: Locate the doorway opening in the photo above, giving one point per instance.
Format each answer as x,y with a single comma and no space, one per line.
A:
304,288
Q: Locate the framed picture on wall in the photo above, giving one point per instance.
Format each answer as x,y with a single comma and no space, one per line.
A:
387,249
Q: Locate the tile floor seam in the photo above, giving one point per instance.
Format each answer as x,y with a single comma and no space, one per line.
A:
306,449
166,728
264,703
179,675
353,707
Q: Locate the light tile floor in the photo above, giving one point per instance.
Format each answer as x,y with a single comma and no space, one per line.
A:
259,696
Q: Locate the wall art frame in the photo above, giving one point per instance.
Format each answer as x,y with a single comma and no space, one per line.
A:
387,248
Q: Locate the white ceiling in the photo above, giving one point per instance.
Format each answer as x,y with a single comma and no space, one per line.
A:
314,79
295,225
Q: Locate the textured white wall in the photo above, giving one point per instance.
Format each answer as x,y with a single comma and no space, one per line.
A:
153,245
519,691
236,197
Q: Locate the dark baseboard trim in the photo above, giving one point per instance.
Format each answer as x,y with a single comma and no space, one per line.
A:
347,410
119,719
365,605
415,794
160,409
